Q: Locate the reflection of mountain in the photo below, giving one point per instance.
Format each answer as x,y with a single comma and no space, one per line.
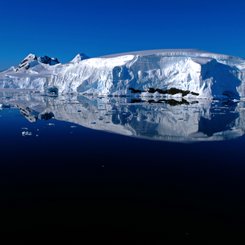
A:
205,120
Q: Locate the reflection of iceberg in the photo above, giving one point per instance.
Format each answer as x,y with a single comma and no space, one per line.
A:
205,120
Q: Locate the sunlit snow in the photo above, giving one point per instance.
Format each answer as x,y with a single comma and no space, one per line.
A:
191,73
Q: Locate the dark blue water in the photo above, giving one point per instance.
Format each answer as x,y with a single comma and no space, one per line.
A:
63,181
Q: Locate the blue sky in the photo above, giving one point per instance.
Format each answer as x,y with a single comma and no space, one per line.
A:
64,28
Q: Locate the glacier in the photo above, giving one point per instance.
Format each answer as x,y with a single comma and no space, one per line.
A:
189,74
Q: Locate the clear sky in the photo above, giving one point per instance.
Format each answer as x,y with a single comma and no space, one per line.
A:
63,28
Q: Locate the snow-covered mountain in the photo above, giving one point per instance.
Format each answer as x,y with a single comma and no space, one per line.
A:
32,60
157,73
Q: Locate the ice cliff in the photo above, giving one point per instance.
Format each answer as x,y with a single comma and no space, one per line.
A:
157,73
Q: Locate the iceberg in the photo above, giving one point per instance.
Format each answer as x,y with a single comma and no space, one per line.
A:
155,73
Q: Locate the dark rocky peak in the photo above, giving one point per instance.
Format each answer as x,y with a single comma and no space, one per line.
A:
32,60
47,60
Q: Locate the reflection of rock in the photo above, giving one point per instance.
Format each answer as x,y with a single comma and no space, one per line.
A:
4,106
47,116
205,120
27,113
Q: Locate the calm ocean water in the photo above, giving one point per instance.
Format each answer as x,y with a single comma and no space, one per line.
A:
115,169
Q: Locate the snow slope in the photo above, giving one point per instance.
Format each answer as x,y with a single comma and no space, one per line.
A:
154,73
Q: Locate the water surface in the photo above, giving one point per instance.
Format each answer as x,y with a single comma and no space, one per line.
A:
111,168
